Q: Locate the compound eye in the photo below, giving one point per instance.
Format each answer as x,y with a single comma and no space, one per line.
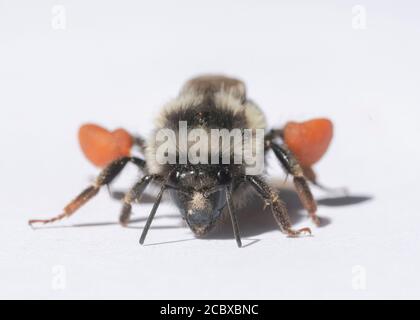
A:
224,176
174,178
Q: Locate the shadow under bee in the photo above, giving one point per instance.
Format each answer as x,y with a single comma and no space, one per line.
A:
253,219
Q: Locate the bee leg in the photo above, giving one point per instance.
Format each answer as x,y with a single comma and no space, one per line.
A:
308,172
273,134
140,143
277,206
134,194
104,178
119,195
310,175
233,217
292,166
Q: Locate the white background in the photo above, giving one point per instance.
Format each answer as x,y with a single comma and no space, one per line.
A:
117,62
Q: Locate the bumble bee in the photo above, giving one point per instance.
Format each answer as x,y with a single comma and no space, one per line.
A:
205,190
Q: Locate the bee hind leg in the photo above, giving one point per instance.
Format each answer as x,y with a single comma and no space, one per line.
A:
104,178
292,166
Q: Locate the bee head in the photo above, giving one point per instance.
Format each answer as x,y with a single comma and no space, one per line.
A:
200,194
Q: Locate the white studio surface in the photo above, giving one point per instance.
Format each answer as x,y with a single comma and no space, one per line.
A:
116,63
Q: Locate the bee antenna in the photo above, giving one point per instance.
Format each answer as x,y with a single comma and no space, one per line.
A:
233,216
153,212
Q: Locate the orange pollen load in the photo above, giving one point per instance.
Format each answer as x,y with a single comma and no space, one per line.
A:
308,140
101,146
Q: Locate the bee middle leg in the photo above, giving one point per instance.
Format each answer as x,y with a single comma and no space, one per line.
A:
134,194
104,178
277,206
